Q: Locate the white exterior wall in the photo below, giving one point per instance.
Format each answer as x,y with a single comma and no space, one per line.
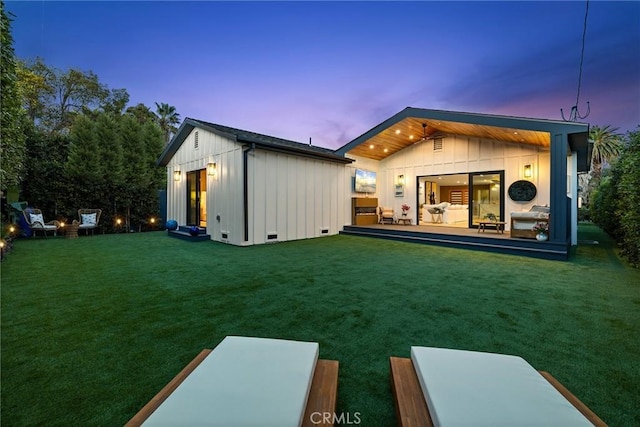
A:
294,197
224,192
460,154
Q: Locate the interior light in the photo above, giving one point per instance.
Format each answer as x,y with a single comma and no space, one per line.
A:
397,131
371,146
386,150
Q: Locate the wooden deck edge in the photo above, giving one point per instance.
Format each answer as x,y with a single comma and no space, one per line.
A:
322,394
162,395
584,409
411,407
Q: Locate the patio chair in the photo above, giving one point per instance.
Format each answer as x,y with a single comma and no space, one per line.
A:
443,387
248,381
386,215
89,219
36,222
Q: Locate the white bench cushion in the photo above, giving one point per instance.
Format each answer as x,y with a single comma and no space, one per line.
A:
467,388
244,382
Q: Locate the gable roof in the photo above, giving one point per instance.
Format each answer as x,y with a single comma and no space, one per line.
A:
406,128
261,141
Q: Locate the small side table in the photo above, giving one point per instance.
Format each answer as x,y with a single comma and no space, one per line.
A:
499,226
71,230
404,220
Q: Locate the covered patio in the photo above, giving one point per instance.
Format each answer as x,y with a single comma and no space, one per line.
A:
474,169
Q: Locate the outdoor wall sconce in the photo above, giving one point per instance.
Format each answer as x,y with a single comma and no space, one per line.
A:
528,171
176,175
401,180
211,169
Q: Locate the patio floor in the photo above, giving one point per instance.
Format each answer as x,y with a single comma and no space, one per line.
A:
464,238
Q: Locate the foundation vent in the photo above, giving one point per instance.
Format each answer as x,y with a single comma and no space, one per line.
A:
324,231
272,236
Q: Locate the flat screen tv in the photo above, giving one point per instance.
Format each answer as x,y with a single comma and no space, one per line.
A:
365,181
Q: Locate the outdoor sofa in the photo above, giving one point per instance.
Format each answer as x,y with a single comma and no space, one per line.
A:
522,223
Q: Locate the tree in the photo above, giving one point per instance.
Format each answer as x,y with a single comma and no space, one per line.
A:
12,115
168,118
629,198
142,113
54,97
116,101
45,185
606,147
36,90
82,168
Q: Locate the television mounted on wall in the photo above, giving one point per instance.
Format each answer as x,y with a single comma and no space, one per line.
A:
365,181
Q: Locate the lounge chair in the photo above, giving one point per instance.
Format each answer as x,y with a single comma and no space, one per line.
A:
35,220
248,381
443,387
89,219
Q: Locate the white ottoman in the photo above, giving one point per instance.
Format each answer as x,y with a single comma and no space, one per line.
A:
467,388
244,382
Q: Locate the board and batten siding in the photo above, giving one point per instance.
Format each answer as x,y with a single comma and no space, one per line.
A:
460,154
293,197
224,191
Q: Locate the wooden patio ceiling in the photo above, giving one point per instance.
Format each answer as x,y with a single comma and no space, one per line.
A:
410,131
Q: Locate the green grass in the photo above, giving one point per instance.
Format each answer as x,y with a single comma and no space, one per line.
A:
92,328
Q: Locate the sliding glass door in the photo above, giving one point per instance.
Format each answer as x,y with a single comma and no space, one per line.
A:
197,198
487,196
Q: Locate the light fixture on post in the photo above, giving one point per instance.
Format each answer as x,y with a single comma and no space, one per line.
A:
176,175
528,171
211,169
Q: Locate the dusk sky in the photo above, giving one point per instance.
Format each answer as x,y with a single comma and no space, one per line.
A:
334,70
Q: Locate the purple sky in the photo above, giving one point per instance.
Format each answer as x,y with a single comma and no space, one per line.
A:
333,70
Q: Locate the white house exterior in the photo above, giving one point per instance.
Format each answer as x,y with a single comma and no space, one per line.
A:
264,189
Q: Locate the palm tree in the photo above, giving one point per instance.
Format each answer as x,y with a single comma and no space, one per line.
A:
168,118
606,147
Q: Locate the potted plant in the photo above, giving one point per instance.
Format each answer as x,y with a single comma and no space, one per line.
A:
405,208
542,230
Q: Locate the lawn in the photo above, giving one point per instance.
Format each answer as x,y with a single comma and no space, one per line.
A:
92,328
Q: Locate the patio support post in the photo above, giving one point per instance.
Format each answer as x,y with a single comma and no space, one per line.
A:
558,191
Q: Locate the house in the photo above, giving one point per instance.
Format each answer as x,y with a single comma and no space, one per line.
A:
248,188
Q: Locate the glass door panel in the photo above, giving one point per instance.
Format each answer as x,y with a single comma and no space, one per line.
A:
197,198
487,198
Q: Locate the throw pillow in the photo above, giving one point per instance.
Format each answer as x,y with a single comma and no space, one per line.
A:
37,218
89,219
